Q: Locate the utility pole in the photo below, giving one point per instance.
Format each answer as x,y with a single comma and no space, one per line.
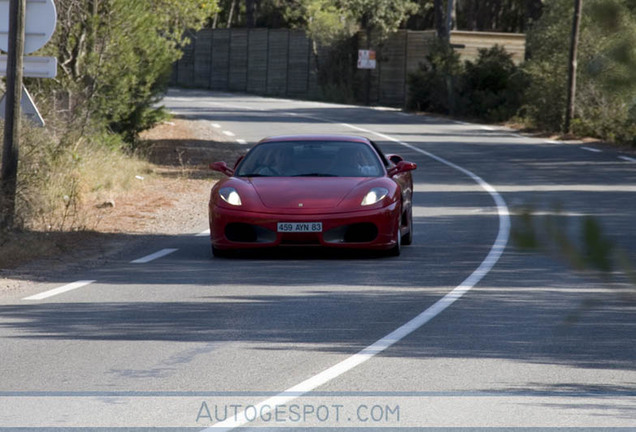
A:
576,25
17,12
450,15
438,9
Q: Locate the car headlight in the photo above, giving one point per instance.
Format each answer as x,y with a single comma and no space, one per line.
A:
374,196
230,196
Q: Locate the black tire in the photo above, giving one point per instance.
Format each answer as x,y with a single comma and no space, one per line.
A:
407,238
397,249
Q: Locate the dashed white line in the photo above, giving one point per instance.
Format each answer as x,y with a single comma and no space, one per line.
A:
590,149
487,128
228,133
551,142
627,158
216,125
241,141
204,233
60,290
154,256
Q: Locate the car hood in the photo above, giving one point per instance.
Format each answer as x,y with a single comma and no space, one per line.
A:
305,193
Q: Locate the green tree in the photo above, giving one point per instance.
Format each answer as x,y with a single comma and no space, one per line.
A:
380,16
116,55
606,93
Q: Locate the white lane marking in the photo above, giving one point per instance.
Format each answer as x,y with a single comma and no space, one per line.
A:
216,125
228,133
60,290
241,141
204,233
488,128
238,107
627,158
154,256
590,149
387,341
551,142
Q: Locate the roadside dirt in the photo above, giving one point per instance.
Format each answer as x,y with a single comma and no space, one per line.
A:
170,201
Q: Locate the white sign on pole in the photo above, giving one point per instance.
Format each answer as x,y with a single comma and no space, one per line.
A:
40,22
41,18
33,66
29,110
366,59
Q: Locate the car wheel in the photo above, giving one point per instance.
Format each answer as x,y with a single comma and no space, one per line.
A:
407,238
395,250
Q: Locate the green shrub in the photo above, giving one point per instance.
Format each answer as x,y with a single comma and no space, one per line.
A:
489,89
492,87
606,77
433,86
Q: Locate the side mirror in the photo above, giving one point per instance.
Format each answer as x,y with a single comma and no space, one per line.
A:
238,161
222,168
396,159
402,167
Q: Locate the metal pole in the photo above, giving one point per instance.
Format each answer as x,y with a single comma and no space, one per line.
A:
9,175
574,44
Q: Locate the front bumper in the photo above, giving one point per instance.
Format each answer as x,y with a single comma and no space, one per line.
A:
368,229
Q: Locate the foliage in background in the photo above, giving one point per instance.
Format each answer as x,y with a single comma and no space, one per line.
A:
476,15
606,81
428,86
115,57
583,245
495,15
488,89
380,17
491,88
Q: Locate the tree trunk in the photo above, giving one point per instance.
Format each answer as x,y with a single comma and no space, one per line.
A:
250,20
231,14
576,25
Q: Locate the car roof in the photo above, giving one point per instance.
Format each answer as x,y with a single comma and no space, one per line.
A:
316,137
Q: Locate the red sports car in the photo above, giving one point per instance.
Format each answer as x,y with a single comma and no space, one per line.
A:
303,190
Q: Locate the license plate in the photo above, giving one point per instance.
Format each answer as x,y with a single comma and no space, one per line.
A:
299,227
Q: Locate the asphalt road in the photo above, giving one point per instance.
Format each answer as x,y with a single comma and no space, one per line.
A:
462,330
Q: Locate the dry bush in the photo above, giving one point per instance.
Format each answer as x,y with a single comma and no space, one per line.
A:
58,181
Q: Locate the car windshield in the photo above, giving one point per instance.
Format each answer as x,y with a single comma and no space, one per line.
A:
311,159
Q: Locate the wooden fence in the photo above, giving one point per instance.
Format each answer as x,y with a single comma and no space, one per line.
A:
281,62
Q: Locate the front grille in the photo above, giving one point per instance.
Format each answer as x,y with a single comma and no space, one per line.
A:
363,232
360,233
240,232
246,233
